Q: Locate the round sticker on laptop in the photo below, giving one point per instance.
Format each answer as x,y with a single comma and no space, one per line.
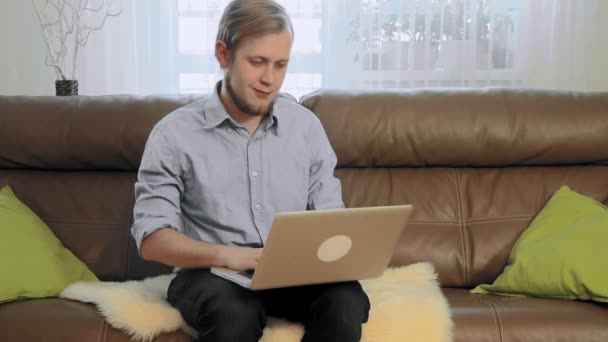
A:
334,248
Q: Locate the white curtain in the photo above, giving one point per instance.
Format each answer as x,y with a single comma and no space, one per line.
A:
564,44
133,53
413,43
166,46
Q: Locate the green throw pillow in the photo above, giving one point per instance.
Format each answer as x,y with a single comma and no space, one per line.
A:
33,262
563,253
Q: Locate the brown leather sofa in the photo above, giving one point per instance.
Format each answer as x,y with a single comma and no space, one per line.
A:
477,164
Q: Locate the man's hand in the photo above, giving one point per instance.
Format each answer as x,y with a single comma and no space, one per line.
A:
239,258
168,246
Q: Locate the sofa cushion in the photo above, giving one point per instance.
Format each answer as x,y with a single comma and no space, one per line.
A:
562,254
61,320
33,261
501,318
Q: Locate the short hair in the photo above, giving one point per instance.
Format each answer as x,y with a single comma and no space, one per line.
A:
251,18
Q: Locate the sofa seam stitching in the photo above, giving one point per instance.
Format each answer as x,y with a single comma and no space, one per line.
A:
501,219
126,262
434,222
116,225
105,330
461,225
496,319
129,239
100,334
485,220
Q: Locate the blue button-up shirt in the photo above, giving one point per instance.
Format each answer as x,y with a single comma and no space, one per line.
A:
204,175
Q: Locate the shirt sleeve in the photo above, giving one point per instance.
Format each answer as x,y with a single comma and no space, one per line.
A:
325,190
158,189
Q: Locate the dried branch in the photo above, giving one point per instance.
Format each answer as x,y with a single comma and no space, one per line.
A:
65,29
55,67
58,70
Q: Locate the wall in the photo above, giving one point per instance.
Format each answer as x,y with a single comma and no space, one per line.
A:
22,65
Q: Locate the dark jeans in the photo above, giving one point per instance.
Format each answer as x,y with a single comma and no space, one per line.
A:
223,311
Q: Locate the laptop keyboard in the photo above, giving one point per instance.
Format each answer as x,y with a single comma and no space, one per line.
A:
248,274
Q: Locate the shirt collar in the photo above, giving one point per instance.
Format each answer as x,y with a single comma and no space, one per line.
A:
272,122
215,113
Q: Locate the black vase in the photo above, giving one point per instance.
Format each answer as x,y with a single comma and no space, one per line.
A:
66,87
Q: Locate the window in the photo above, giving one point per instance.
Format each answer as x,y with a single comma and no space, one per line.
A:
414,43
374,43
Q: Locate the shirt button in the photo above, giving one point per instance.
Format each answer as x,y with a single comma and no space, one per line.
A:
254,174
258,206
229,130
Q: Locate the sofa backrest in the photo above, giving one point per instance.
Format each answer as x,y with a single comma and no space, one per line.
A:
74,161
477,165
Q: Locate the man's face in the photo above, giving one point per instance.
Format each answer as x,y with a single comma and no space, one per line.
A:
256,72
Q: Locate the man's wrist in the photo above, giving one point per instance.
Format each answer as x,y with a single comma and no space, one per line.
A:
217,256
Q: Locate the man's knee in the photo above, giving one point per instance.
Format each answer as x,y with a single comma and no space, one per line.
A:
218,309
344,307
232,320
338,313
344,301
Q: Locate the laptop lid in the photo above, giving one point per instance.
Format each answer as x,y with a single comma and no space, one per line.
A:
322,246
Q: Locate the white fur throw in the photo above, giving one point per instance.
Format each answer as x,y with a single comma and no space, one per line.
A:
406,305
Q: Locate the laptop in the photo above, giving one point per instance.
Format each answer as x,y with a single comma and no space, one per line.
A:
324,246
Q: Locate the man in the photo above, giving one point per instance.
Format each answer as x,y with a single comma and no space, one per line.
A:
215,173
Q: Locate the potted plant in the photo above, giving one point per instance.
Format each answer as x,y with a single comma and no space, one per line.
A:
65,27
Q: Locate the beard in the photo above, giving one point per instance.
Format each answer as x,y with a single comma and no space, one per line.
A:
242,104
